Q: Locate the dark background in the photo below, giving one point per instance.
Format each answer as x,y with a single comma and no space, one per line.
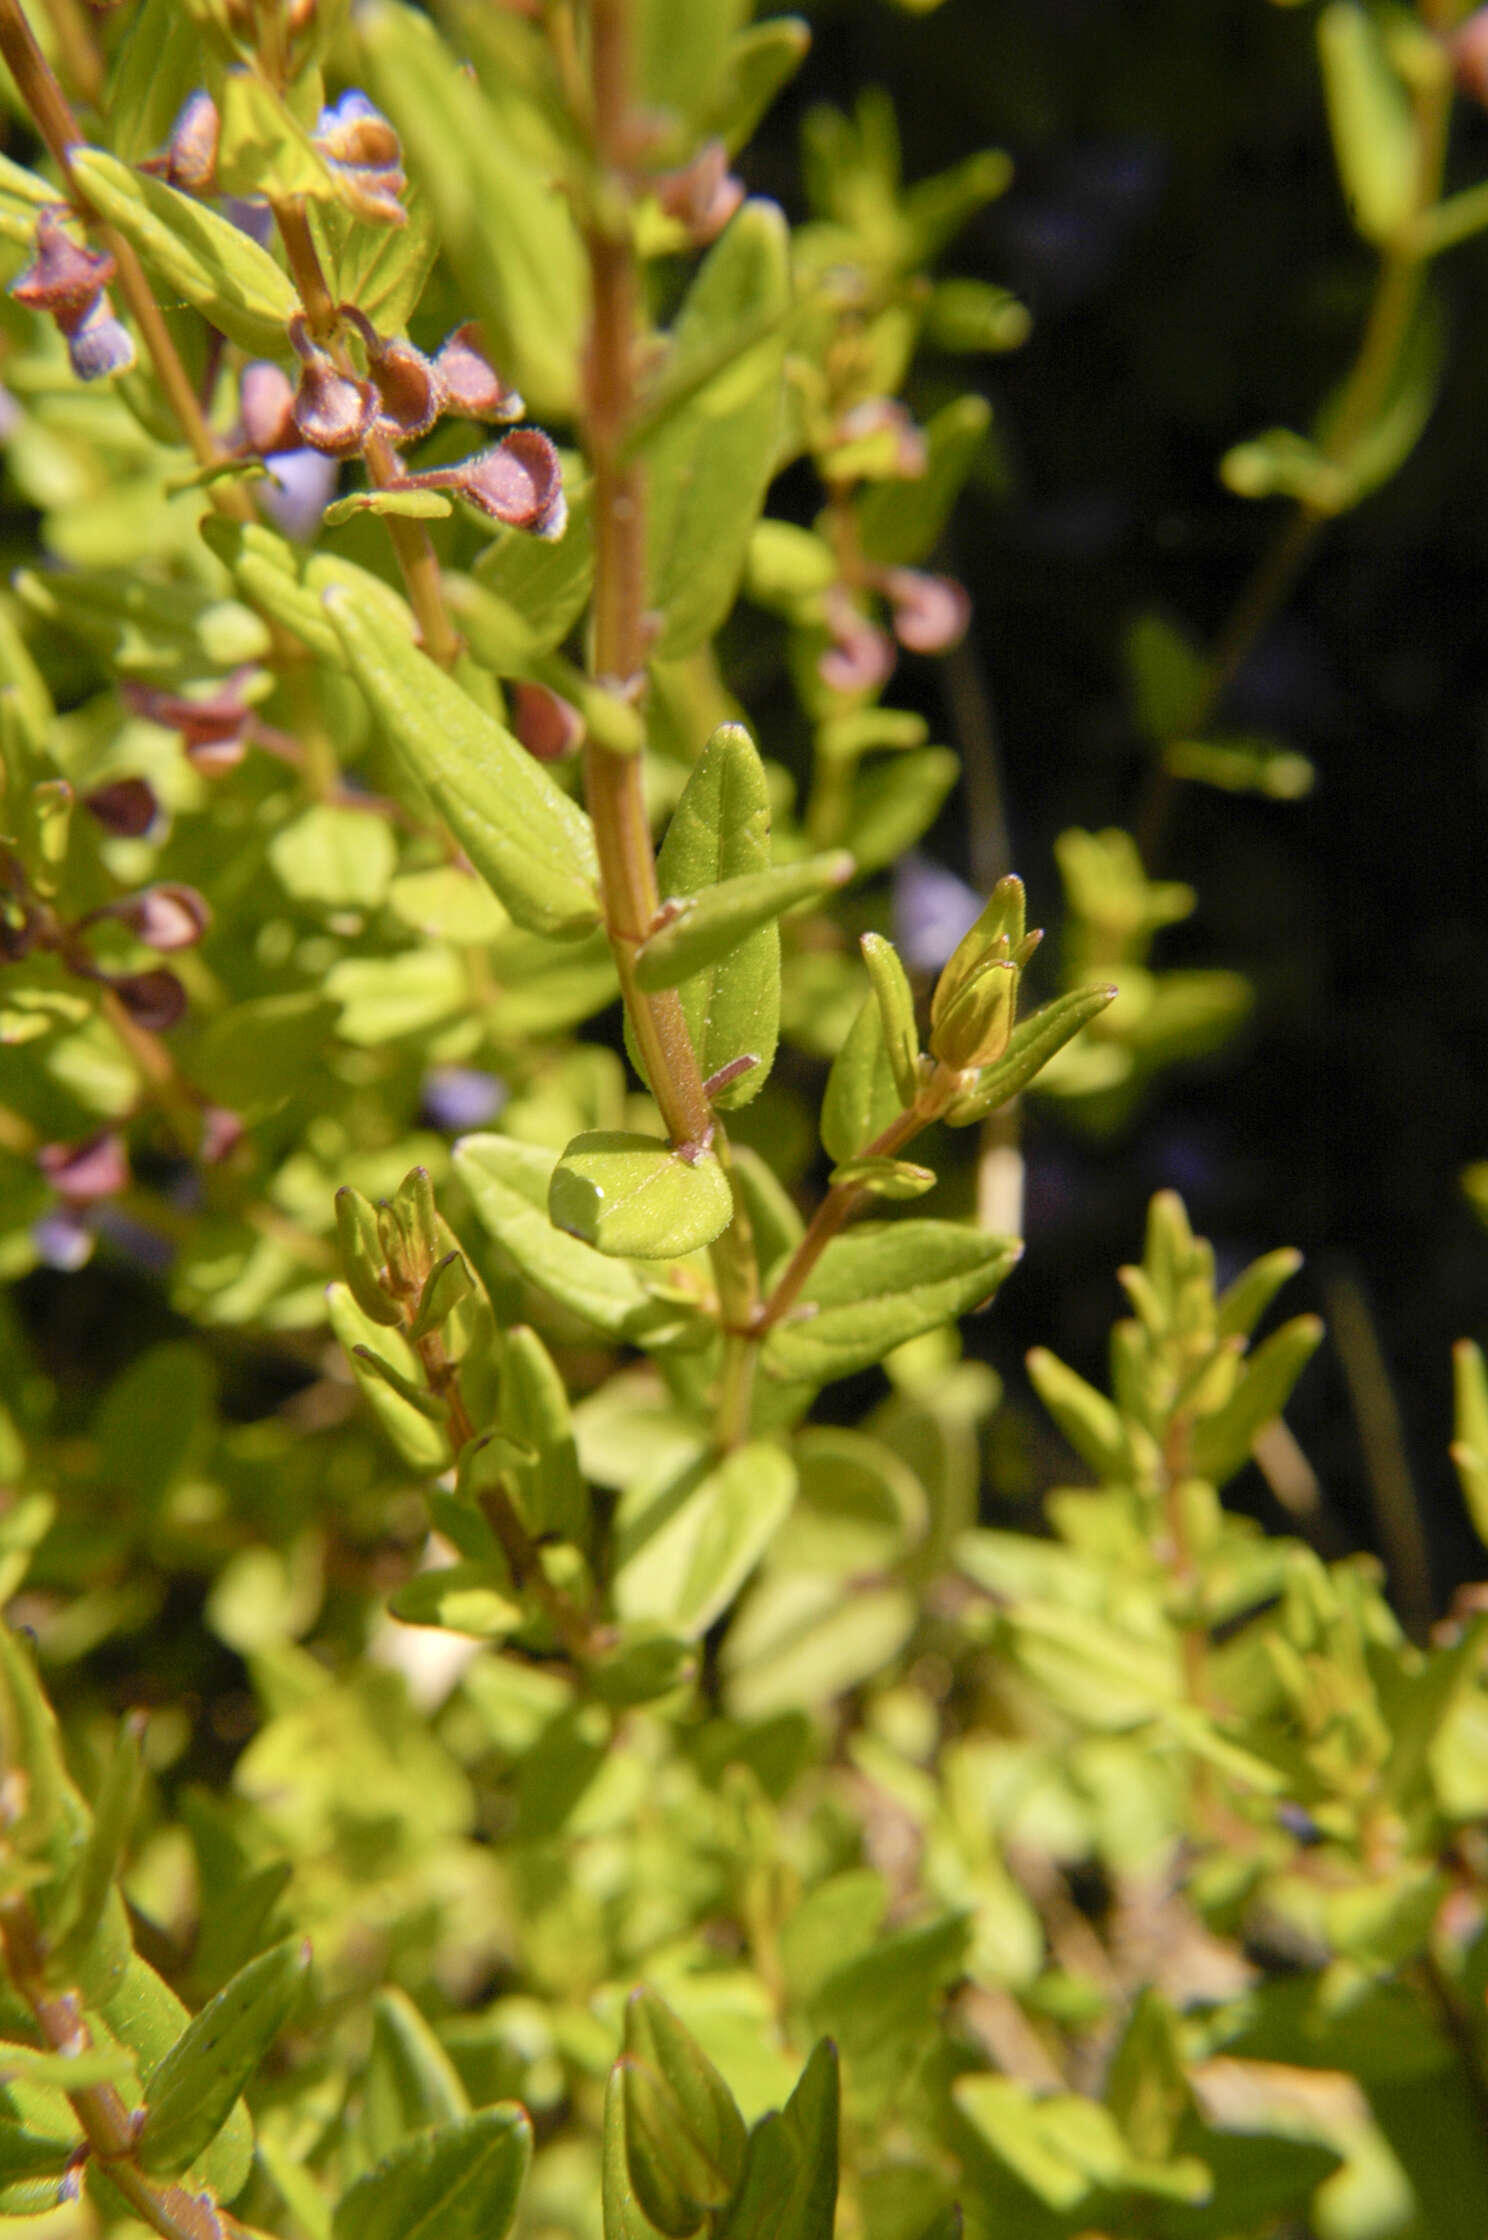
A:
1175,227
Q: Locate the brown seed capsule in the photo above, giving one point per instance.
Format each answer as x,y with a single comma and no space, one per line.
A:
125,807
333,412
548,726
153,999
472,386
410,393
62,276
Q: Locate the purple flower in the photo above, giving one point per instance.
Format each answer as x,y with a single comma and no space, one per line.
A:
300,487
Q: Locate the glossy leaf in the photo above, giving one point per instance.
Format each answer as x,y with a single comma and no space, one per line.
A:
635,1197
460,2181
192,2092
789,2187
862,1095
896,1005
194,253
1370,114
708,927
1222,1441
532,844
710,461
687,1539
1034,1041
873,1290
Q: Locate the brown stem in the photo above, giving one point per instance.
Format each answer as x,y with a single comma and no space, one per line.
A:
844,1199
417,559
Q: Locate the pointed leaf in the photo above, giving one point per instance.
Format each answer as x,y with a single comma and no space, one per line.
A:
1033,1042
408,505
191,2094
886,1178
634,1197
709,927
191,252
1085,1416
421,1439
461,2181
899,522
789,2188
534,1409
654,2035
686,1541
873,1290
862,1095
524,836
410,2081
896,1003
1371,118
1222,1442
719,833
711,461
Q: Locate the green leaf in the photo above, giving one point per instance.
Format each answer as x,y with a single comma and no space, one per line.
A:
460,2181
388,1371
896,1004
1222,1441
525,278
873,1290
1086,1417
635,1197
341,857
761,59
707,928
473,1597
899,523
895,804
262,147
1240,1306
65,2072
719,833
1002,920
145,2014
1470,1446
545,583
192,2092
382,269
1241,766
799,1642
686,1541
789,2187
189,251
524,836
881,2006
1372,121
709,464
1033,1042
90,1930
408,505
410,2082
710,2122
534,1409
508,1183
885,1178
680,51
862,1095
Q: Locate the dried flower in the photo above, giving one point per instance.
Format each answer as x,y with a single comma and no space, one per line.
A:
409,391
333,411
472,386
191,152
163,917
84,1172
519,481
62,276
363,150
930,613
219,720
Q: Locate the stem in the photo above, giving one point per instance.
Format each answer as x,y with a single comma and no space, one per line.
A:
108,2124
844,1198
614,783
58,128
417,559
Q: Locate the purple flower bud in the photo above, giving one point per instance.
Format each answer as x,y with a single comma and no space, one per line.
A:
163,917
930,612
266,400
355,132
153,999
96,343
703,195
301,485
80,1173
472,386
125,806
548,726
191,154
459,1097
62,276
62,1241
333,412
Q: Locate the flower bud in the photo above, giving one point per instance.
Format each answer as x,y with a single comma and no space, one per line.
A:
877,438
153,999
703,195
96,343
975,1026
363,150
930,612
301,485
191,153
472,386
860,657
333,412
548,726
125,807
84,1172
266,401
997,936
221,1132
